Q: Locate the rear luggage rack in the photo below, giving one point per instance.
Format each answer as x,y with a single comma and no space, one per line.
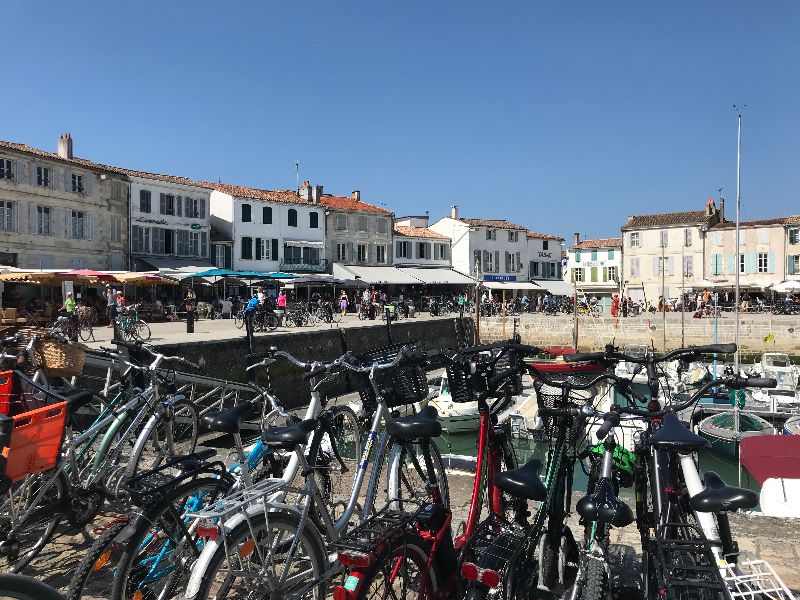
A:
751,578
382,528
688,566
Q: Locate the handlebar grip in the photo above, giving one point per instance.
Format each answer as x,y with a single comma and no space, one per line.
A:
315,372
760,382
603,430
585,357
714,349
257,356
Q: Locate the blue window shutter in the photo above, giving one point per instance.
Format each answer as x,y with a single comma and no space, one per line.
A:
771,262
750,263
790,265
731,264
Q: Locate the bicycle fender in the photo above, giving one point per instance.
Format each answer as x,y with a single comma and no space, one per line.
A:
201,564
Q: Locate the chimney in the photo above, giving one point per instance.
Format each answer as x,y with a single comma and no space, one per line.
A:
721,209
576,239
710,208
65,146
317,194
454,211
306,191
356,195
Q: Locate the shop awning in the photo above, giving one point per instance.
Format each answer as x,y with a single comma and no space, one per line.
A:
375,275
303,243
177,268
556,287
435,276
510,285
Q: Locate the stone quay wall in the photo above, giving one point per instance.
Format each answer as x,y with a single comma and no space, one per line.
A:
757,332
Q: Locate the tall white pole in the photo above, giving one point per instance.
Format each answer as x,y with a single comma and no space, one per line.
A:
738,206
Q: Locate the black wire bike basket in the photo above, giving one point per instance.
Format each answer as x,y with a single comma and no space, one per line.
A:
405,383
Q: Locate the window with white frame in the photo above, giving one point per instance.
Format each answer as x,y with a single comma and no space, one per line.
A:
422,250
634,239
687,237
219,256
6,168
440,251
491,234
6,215
688,266
793,264
141,239
382,225
742,267
763,262
341,222
380,254
195,208
361,252
116,233
663,236
43,220
490,265
362,223
43,176
402,250
77,222
513,236
265,249
794,236
77,183
610,274
194,243
341,252
577,274
634,267
168,205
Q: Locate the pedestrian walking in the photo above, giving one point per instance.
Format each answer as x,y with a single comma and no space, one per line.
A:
461,300
111,305
281,312
343,303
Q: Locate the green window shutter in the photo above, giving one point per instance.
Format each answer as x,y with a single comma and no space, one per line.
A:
577,255
266,215
610,255
594,254
790,265
594,274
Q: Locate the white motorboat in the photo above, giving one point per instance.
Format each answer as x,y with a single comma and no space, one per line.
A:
455,416
779,366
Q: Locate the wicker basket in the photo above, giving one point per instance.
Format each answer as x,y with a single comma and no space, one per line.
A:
59,359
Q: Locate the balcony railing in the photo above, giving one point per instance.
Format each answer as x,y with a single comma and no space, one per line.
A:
318,266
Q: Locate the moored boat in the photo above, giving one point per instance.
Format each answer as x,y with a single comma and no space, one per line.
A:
772,461
778,366
792,427
725,431
455,416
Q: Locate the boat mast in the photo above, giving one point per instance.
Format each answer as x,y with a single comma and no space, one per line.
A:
736,432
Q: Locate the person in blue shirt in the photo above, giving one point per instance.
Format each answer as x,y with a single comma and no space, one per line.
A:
252,304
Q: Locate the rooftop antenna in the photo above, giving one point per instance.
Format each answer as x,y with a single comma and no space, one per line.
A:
297,174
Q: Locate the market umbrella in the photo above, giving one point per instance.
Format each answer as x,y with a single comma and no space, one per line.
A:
26,276
786,286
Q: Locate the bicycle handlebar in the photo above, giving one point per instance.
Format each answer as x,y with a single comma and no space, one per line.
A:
158,357
614,356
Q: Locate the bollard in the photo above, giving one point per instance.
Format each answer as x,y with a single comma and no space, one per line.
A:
189,321
248,326
389,325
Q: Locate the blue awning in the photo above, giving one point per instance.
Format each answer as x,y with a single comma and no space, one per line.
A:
241,274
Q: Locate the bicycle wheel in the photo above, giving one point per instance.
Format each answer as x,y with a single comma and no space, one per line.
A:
288,320
142,331
336,315
335,482
172,433
94,577
408,476
86,332
238,320
33,533
21,587
254,557
157,557
271,322
596,584
397,571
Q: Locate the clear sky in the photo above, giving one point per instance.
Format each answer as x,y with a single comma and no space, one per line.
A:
561,116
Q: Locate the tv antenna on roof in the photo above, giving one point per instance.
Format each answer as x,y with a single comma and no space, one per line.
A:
297,175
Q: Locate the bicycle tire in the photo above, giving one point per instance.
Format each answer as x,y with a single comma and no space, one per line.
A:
392,562
154,539
101,560
142,331
596,586
271,323
41,516
180,424
406,482
238,321
336,315
335,486
550,548
242,541
22,587
86,333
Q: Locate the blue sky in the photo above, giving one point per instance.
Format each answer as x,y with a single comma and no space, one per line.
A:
561,116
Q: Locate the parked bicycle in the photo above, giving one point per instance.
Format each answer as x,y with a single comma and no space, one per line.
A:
131,326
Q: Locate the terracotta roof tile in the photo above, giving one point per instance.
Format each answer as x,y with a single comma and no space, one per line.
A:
420,232
689,217
342,203
493,223
256,194
543,236
601,243
790,220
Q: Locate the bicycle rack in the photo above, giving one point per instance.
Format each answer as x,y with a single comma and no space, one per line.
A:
382,528
750,577
688,566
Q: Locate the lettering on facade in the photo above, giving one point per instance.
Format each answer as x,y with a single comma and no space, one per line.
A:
499,277
545,255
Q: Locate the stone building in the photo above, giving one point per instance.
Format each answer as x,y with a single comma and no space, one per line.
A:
594,267
358,233
665,251
58,211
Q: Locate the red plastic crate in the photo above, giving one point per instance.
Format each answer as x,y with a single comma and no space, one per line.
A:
36,439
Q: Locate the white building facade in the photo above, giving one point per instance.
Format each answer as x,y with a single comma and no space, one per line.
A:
497,248
271,230
415,245
169,221
594,267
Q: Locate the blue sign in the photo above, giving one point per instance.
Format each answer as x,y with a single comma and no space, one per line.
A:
499,277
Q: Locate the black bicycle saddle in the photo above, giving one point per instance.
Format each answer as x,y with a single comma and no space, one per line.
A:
673,436
603,506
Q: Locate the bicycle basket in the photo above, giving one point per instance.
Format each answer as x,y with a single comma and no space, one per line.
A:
464,386
548,396
31,441
403,384
60,359
19,394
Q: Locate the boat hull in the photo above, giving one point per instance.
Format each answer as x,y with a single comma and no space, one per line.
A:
457,416
724,442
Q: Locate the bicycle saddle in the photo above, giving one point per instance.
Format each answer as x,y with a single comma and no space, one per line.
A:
290,436
675,437
718,496
523,482
424,424
77,400
603,506
230,420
